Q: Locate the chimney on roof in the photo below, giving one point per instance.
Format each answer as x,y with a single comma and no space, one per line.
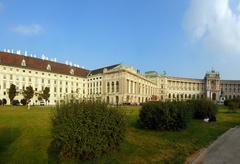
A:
43,57
18,52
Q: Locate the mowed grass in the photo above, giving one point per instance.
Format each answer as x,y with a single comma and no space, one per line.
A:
25,137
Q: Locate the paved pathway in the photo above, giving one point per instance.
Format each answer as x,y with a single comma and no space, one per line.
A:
225,150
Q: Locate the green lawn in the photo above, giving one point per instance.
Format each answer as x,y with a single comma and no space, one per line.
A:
25,137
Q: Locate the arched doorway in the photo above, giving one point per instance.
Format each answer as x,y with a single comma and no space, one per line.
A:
214,96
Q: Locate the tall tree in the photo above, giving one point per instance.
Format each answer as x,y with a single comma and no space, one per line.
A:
28,93
46,94
12,92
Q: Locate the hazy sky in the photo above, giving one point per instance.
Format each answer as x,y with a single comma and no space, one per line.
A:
183,37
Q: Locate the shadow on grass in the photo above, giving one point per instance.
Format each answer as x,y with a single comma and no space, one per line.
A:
7,137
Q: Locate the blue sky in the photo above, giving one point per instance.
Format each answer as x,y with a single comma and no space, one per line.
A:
170,35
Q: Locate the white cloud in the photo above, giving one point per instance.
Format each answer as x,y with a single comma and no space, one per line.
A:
33,29
215,24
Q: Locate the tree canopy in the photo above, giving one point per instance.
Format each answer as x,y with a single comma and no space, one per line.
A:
12,92
28,93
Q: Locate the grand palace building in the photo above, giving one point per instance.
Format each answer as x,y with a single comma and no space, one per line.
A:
116,84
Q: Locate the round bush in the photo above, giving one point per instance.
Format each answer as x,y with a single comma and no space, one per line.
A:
4,101
15,102
232,104
164,116
85,130
204,108
24,102
226,102
0,102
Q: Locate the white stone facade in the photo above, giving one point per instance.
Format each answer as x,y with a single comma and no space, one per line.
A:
60,85
117,84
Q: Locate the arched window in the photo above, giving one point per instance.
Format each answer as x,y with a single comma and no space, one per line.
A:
117,86
117,100
193,96
108,87
112,86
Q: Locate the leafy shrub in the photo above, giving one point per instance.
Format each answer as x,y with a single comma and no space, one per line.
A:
203,108
232,104
24,102
164,115
1,102
226,102
4,101
15,102
85,130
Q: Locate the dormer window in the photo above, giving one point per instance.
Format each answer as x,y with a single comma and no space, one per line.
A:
72,72
49,67
23,63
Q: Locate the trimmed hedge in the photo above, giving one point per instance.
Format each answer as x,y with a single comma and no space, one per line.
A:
24,102
164,115
232,104
86,130
175,115
15,102
4,101
203,108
